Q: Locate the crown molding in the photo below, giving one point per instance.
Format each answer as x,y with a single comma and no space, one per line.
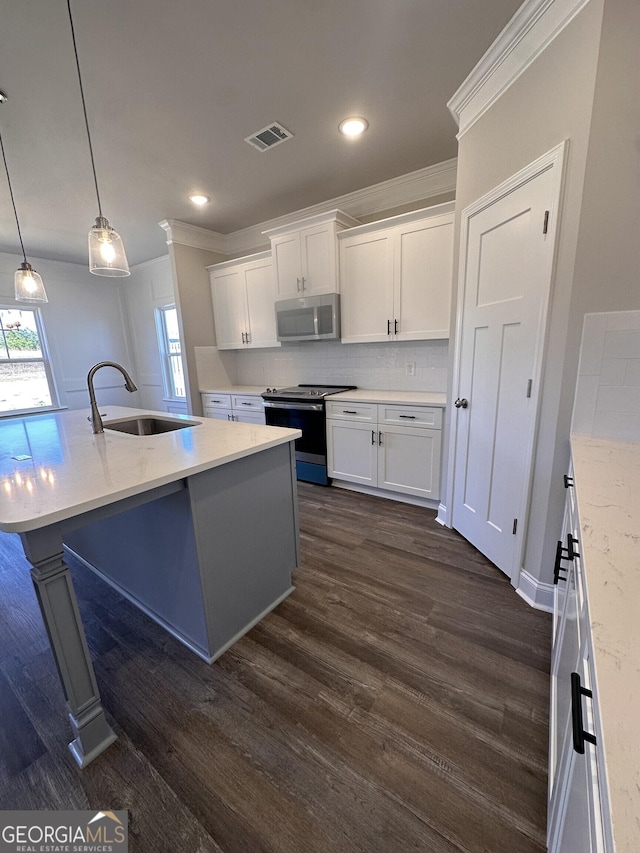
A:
405,189
194,236
534,26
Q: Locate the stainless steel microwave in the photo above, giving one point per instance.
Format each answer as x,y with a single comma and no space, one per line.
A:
309,318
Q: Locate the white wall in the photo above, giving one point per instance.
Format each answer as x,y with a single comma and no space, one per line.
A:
85,321
381,366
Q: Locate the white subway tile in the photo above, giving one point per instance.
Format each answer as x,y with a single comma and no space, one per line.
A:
623,320
618,399
621,427
593,333
622,344
632,376
613,371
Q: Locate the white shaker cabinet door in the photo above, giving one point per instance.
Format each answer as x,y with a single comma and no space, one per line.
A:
423,279
352,449
366,275
287,263
319,260
261,296
409,461
228,292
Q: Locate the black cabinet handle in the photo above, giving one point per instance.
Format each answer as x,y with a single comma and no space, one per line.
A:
408,417
579,734
373,436
348,412
557,568
395,327
568,482
379,438
571,541
388,327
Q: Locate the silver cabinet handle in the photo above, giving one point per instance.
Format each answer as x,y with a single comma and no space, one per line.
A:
461,403
243,337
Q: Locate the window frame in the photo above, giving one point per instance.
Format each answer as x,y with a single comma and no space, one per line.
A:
166,355
44,358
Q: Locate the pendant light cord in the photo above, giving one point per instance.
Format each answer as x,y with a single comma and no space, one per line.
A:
13,202
84,106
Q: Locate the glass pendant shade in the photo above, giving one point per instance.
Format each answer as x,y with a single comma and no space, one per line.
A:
29,286
106,251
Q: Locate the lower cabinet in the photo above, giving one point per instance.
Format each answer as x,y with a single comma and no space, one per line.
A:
396,448
245,408
576,821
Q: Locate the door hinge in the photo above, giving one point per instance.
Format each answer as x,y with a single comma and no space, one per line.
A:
545,226
529,384
515,526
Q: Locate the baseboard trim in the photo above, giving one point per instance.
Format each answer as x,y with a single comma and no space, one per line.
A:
442,517
534,592
385,493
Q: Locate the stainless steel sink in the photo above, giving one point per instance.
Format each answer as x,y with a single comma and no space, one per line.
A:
147,425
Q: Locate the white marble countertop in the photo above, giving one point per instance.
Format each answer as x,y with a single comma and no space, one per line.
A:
607,478
251,390
412,398
67,470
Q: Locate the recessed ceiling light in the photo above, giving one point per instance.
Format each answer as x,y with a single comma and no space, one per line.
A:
199,199
353,126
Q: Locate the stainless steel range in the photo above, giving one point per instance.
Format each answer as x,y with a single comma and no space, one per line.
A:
302,407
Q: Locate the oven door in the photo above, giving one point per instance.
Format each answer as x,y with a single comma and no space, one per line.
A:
311,447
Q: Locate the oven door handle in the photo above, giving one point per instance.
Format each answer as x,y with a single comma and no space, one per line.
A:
306,407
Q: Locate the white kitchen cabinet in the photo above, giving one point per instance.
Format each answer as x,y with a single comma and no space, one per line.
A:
245,408
576,822
244,293
305,256
395,277
391,448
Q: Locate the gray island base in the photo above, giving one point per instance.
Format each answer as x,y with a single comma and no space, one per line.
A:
207,556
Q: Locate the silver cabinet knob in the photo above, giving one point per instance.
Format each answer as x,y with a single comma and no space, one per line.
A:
461,403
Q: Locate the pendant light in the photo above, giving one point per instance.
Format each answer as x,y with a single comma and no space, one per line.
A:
106,250
29,286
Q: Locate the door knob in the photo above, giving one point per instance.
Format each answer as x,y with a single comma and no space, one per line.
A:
461,403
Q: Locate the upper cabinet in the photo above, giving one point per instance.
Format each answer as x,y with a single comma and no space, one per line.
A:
395,277
243,293
305,254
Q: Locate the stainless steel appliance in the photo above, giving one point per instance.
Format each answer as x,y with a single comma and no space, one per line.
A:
309,318
302,407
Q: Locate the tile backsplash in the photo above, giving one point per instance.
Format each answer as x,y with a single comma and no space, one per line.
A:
381,366
607,402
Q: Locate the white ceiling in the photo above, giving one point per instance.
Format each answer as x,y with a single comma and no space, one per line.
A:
172,89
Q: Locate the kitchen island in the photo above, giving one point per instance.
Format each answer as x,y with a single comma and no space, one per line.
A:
196,525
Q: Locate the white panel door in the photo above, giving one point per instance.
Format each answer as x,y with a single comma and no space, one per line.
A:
366,279
409,461
507,253
229,299
352,449
261,295
423,279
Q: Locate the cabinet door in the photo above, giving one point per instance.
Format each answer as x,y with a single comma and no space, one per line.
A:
422,276
249,417
366,287
218,414
229,303
287,265
409,461
261,296
352,451
319,260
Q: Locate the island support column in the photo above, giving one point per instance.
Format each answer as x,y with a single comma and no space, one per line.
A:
59,608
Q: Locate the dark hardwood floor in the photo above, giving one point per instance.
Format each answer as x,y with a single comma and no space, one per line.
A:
396,701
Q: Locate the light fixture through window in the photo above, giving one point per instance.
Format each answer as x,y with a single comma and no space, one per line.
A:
352,127
29,286
199,199
106,250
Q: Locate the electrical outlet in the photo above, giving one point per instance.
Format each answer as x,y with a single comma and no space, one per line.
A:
410,368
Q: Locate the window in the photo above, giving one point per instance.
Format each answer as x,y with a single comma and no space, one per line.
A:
171,350
26,381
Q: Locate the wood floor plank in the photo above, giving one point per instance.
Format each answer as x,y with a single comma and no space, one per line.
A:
398,700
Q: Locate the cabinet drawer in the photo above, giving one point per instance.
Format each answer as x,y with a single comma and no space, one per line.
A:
247,402
219,414
414,416
216,401
352,411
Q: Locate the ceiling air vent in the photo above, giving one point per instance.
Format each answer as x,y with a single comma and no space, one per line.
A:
271,135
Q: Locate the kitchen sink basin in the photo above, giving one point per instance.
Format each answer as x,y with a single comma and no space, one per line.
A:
147,425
